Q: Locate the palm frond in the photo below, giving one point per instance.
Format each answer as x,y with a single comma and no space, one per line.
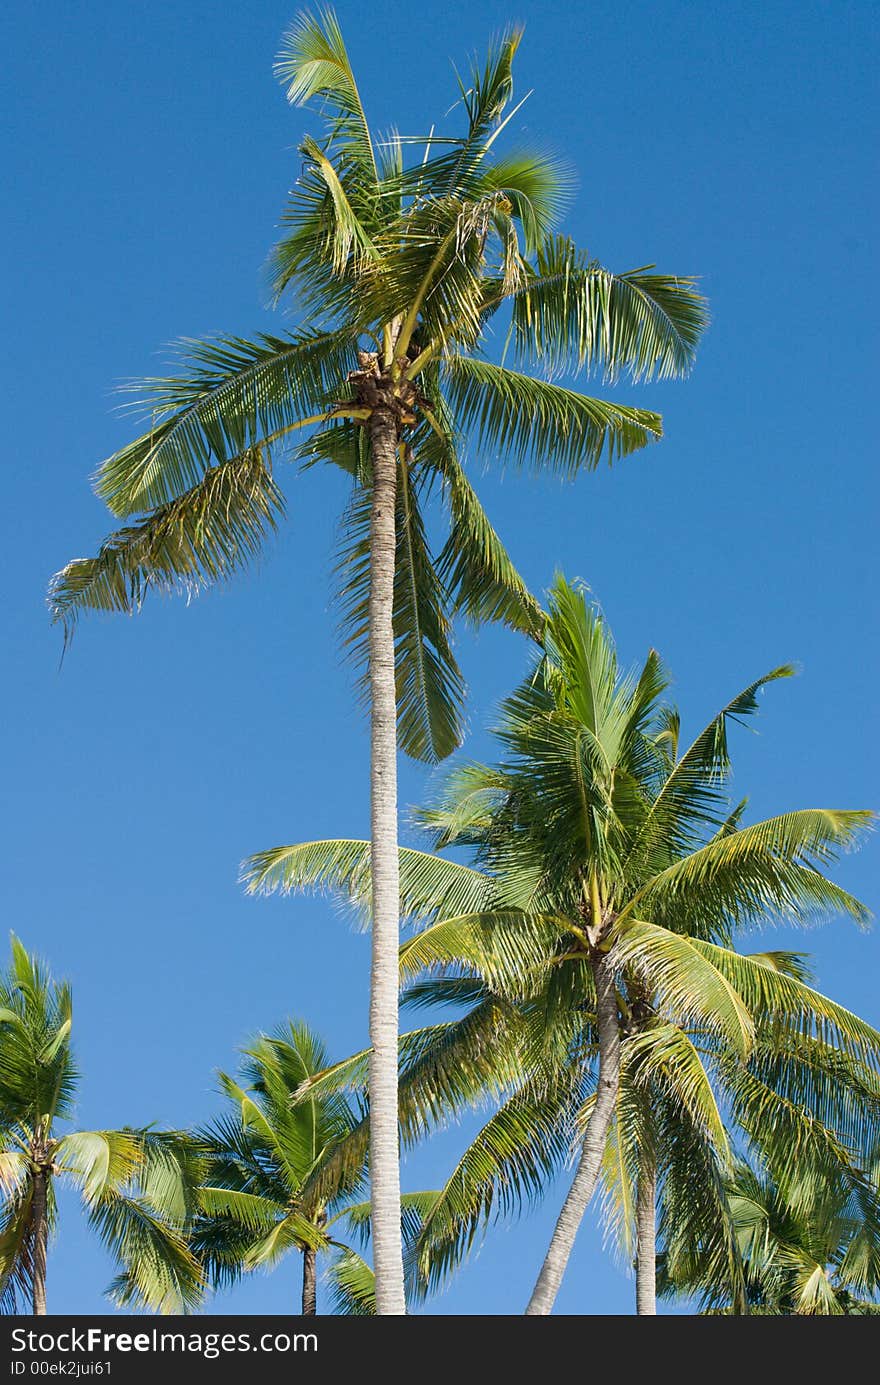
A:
573,313
229,396
314,66
430,887
201,537
541,424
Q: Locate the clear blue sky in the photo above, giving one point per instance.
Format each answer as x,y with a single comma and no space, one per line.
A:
149,158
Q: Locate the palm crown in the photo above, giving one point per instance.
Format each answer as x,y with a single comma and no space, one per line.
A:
272,1182
402,255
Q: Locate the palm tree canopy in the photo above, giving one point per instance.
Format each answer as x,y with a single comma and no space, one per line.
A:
598,828
272,1178
403,255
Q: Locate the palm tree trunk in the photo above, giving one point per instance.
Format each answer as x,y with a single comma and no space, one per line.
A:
384,1149
40,1233
646,1236
592,1149
310,1280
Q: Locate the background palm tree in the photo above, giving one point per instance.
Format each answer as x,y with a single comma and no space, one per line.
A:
400,253
272,1182
611,876
131,1181
807,1246
805,1096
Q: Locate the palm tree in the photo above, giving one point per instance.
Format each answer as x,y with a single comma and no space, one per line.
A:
130,1180
612,861
808,1247
803,1093
272,1183
401,253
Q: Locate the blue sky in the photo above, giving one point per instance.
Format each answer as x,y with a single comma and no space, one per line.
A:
149,159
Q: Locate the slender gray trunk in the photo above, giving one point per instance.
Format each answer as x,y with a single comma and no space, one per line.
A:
40,1232
646,1236
384,1148
310,1283
592,1149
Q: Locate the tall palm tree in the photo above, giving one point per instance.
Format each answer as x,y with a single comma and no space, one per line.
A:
610,858
402,254
272,1183
129,1179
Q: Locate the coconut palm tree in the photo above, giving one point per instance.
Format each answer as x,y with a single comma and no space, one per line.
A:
803,1094
401,254
604,854
807,1246
271,1184
131,1181
415,258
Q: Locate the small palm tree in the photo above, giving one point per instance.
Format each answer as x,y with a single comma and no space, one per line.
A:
402,254
273,1182
610,858
123,1175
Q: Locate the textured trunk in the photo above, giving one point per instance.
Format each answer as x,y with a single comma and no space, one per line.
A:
575,1205
384,1153
309,1282
40,1229
646,1237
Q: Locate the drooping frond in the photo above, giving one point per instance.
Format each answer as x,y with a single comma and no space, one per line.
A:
542,425
509,948
785,1006
352,1286
474,565
230,395
202,537
663,1057
685,982
101,1162
430,689
505,1168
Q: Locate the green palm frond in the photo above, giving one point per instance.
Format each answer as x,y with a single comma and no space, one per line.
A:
313,65
504,1169
201,537
429,885
573,313
787,1006
101,1162
536,423
767,871
509,948
352,1286
474,565
686,982
693,793
230,396
16,1252
161,1274
663,1057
